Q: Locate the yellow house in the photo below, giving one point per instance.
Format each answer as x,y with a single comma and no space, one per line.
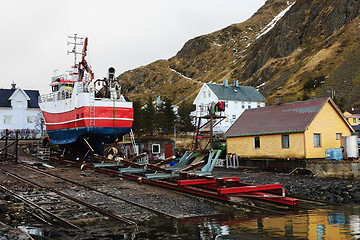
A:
294,130
352,119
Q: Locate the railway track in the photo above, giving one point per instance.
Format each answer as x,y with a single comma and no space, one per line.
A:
89,188
268,208
257,208
316,201
71,205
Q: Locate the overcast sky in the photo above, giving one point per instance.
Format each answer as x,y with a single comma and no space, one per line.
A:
122,34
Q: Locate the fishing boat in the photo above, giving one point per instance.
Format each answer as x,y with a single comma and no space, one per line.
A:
80,107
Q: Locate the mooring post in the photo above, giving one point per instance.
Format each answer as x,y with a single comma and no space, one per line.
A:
6,142
16,146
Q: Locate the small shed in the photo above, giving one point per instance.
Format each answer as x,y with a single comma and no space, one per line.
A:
157,148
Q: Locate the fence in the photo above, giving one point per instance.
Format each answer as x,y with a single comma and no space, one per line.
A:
9,146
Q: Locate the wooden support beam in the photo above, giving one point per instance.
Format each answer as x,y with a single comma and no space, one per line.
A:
88,146
9,145
192,166
165,161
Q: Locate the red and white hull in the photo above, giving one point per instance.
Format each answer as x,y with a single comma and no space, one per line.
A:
78,113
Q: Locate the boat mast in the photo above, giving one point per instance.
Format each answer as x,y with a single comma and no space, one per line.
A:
75,43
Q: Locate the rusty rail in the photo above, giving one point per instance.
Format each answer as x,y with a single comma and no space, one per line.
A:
98,191
100,210
40,208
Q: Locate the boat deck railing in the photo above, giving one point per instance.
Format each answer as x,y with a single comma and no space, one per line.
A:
55,96
66,94
62,95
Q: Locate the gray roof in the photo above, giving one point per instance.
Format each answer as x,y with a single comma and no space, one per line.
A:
5,94
233,93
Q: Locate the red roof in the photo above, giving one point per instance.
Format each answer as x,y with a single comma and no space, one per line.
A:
284,118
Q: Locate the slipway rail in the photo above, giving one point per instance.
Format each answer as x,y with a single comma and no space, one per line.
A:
62,220
228,190
90,206
98,191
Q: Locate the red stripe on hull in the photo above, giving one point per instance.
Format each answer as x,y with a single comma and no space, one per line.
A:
86,123
80,118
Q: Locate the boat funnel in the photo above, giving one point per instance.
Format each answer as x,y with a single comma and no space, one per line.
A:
111,73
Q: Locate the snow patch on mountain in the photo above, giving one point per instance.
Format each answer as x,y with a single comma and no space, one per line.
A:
272,24
179,73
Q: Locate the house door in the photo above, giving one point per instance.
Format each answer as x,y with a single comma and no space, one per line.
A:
168,150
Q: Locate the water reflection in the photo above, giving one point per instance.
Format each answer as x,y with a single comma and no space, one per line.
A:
321,224
326,223
308,224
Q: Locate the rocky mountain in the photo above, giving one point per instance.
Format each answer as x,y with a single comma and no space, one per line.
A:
298,49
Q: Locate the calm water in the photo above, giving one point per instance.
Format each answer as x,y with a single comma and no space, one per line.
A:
322,223
327,222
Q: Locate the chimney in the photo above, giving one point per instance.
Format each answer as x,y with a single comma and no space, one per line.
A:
236,83
226,82
13,86
278,99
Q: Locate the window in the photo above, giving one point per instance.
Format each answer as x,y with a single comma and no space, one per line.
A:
285,141
209,94
249,106
354,120
317,142
233,117
8,119
338,136
256,142
156,148
258,104
19,104
243,105
30,119
236,105
204,94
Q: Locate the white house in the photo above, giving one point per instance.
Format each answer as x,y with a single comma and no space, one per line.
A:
237,99
19,109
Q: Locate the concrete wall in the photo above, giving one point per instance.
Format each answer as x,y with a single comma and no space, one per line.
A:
336,169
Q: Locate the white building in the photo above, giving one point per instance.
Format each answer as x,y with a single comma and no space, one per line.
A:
19,109
237,99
